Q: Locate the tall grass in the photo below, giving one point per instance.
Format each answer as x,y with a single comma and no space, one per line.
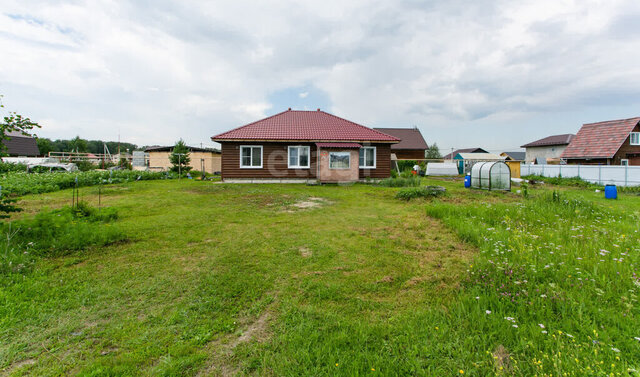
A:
55,233
557,279
411,181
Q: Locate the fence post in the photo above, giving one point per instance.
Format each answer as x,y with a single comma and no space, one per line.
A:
579,172
559,170
626,175
542,174
600,174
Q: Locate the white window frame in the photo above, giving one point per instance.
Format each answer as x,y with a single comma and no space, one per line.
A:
637,137
375,158
624,161
341,152
299,147
251,158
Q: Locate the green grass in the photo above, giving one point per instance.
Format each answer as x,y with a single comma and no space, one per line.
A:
331,280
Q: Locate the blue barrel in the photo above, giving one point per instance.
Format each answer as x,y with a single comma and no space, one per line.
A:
467,181
611,192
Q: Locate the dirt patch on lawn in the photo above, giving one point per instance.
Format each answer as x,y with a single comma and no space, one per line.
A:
17,365
221,349
308,203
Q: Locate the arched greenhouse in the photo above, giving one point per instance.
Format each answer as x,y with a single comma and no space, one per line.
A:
491,175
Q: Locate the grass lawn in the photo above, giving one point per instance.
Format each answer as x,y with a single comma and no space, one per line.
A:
295,280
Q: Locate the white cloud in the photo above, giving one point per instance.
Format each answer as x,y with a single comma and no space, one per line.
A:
158,71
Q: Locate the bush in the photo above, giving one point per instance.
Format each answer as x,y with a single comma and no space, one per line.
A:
560,181
411,181
55,233
420,192
6,167
84,165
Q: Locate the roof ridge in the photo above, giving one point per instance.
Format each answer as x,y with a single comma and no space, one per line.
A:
359,125
612,121
249,124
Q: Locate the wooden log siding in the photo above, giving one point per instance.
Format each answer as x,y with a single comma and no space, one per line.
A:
409,154
274,161
383,163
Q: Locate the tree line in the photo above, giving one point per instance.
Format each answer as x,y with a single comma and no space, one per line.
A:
78,144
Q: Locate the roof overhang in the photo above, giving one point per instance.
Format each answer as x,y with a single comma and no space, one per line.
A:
305,141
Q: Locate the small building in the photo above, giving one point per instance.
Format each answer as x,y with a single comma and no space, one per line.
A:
466,160
202,159
513,160
18,144
548,149
411,146
450,156
613,142
304,146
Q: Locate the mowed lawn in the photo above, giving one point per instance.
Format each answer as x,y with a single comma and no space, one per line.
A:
281,280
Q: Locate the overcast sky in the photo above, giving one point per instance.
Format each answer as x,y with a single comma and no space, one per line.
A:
492,74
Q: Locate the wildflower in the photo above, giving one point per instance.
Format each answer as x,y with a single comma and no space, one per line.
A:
516,326
461,371
541,325
615,349
637,338
544,331
336,364
488,311
373,369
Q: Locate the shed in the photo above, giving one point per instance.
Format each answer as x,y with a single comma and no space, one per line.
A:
466,160
491,175
514,160
202,159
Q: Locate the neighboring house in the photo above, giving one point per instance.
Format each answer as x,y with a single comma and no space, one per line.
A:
549,148
513,160
206,159
20,145
451,155
302,146
411,146
466,160
614,142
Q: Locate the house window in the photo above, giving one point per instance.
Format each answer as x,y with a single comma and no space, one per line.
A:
635,138
624,162
299,157
339,160
368,157
251,156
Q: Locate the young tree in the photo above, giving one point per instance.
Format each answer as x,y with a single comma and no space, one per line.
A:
78,145
14,122
433,151
179,158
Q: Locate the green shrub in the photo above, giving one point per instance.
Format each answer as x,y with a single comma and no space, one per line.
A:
420,192
6,167
84,165
561,181
55,233
411,181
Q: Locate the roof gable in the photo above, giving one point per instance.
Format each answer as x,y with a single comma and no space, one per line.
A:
19,144
563,139
600,140
464,150
410,138
305,126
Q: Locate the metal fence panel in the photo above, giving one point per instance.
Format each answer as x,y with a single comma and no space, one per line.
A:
601,174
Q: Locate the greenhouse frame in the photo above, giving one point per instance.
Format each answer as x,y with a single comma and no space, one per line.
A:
491,175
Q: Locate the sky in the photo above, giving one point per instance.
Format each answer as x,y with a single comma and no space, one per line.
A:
491,74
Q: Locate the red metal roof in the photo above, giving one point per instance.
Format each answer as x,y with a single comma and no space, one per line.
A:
600,140
305,125
563,139
411,138
339,145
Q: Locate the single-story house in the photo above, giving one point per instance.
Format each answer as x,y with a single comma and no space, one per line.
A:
466,161
450,156
201,159
547,149
303,146
20,145
614,142
411,146
513,160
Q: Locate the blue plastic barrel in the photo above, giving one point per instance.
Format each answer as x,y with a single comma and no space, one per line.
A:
611,192
467,181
